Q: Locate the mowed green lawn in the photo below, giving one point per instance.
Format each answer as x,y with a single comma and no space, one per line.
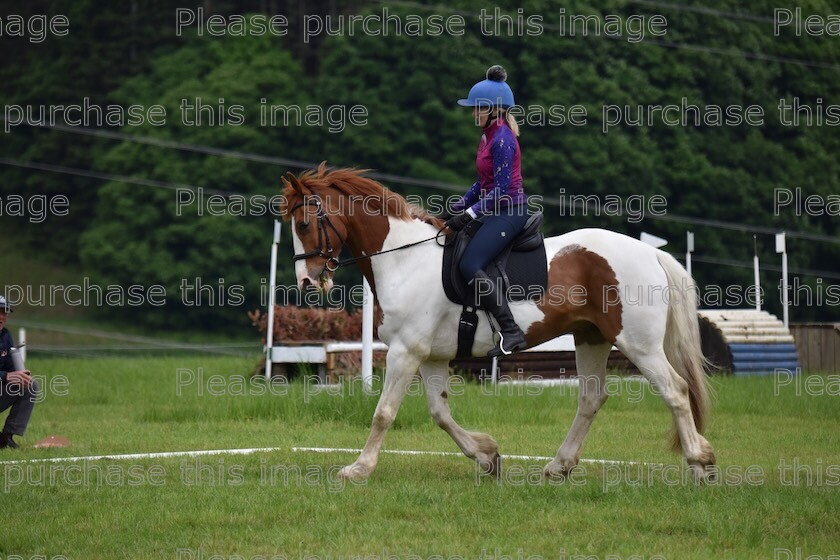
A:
288,504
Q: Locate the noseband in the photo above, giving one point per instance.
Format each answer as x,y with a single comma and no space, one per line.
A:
323,222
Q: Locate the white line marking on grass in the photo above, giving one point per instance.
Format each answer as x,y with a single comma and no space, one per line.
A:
563,382
163,454
251,450
456,454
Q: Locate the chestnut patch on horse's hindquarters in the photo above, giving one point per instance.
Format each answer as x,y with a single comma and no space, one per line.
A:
579,299
587,333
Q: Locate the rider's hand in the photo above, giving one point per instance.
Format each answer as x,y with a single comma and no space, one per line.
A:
459,222
22,378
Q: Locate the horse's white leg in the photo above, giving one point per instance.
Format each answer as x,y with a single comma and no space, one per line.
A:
674,391
475,445
400,367
591,361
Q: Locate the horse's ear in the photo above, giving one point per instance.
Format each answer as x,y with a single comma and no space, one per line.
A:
296,184
286,183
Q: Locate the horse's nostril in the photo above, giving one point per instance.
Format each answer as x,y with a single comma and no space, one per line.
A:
308,284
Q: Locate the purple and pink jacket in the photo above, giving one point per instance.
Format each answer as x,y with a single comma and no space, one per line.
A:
499,181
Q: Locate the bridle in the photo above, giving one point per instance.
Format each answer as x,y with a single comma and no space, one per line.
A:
323,222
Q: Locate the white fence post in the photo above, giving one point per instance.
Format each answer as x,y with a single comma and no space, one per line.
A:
21,343
272,280
367,337
689,240
756,276
780,248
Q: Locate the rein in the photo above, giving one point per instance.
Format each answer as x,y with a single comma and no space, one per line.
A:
352,260
333,263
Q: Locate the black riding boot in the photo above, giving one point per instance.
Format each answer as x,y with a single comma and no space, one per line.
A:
489,297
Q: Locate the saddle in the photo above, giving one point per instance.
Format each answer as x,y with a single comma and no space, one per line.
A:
521,269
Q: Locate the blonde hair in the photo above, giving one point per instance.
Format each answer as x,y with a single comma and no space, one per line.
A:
511,122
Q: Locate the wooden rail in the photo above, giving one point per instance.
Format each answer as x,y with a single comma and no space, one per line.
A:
819,346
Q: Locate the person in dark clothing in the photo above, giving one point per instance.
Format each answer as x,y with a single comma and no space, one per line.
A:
497,199
18,390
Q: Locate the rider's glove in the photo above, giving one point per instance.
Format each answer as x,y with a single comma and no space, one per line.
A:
459,222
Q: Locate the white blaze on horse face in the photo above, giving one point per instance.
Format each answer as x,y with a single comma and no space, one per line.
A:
300,265
304,274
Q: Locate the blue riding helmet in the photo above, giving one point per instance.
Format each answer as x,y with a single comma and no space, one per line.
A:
489,93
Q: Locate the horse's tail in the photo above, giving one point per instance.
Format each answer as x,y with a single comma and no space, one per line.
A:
682,340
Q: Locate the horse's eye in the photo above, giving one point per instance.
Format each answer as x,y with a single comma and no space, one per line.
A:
302,226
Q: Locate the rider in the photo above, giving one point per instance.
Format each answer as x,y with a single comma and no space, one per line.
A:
496,199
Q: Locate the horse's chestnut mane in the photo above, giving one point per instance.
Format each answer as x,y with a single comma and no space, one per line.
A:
351,182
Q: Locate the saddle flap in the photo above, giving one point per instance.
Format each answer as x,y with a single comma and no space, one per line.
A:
521,265
530,237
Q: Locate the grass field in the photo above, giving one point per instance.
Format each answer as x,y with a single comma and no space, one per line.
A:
290,504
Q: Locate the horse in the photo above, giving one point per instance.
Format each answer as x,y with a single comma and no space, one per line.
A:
595,277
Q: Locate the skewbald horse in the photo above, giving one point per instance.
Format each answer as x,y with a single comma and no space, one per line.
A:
595,280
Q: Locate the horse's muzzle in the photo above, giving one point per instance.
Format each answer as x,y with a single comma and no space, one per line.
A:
323,283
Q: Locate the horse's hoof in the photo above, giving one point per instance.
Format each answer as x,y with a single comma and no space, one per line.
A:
703,469
493,467
703,473
354,472
698,475
711,474
557,471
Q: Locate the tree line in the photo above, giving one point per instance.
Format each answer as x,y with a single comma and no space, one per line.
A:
128,53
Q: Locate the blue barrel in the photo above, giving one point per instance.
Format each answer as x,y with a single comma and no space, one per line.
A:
756,359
